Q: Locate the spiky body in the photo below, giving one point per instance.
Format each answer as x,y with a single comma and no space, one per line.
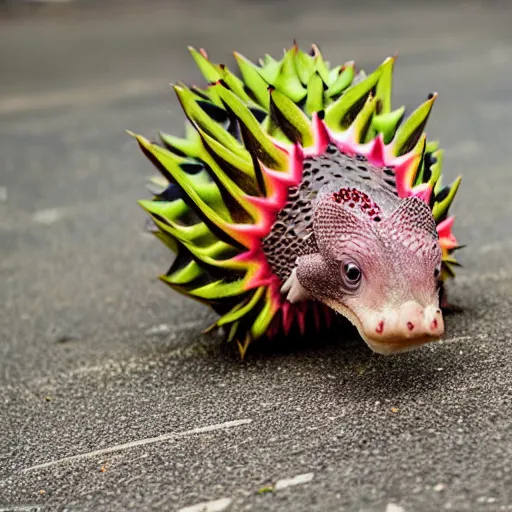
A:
236,196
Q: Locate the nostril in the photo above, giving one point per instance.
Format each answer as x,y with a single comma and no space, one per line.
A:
410,326
380,327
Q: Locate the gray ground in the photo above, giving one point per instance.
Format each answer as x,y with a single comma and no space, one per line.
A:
95,353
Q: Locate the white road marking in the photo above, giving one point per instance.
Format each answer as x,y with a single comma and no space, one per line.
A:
21,508
463,338
394,508
296,480
47,216
141,442
209,506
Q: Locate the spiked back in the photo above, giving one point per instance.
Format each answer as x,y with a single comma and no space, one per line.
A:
223,184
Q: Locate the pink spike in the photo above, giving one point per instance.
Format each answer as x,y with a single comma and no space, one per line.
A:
287,317
422,191
321,136
446,238
301,316
256,231
376,155
274,327
404,175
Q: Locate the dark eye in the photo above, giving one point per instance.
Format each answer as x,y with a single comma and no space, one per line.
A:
351,274
437,271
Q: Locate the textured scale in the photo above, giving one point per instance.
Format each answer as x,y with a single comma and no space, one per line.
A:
236,194
325,174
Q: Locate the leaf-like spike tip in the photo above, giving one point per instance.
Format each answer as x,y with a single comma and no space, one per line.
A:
384,86
388,123
411,130
267,152
208,70
290,118
340,115
441,207
253,80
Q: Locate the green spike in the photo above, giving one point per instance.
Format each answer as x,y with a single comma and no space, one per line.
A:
304,65
253,80
199,233
320,64
232,332
340,114
342,81
198,116
190,145
291,119
436,168
411,130
241,210
168,240
205,195
288,81
440,208
186,274
388,123
209,70
270,69
169,210
263,320
432,146
241,164
236,85
219,289
315,97
241,310
384,87
362,122
267,151
335,72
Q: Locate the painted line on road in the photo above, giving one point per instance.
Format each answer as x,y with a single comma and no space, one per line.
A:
465,338
141,442
296,480
209,506
394,508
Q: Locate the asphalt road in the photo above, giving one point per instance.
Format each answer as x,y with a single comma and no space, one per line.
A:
110,397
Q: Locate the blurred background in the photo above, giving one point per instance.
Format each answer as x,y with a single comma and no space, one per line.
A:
79,275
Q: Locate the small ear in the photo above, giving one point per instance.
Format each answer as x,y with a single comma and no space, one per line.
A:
335,225
412,216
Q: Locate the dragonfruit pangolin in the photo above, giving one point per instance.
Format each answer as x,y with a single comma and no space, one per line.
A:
298,192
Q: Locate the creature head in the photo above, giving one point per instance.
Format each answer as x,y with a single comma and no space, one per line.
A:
378,270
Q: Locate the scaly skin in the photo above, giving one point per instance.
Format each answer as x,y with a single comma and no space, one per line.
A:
226,186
